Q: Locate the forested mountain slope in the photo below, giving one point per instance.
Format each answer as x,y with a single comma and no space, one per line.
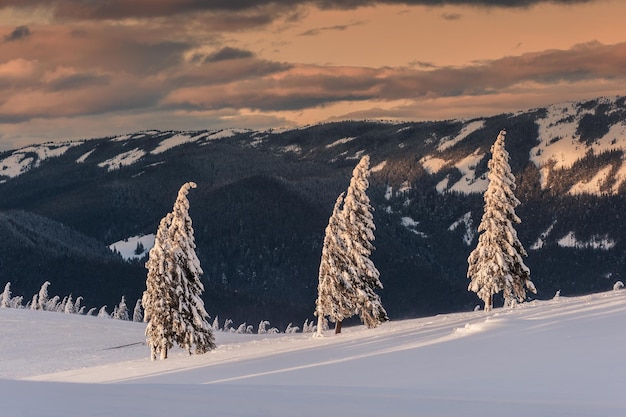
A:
264,198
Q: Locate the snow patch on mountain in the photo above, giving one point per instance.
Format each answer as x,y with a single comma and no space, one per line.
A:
433,165
469,183
596,242
225,133
340,142
176,140
83,157
22,160
560,146
291,149
123,159
448,142
594,185
411,224
470,232
541,240
379,167
135,247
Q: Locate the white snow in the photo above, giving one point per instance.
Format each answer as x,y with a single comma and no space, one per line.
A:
225,133
357,155
470,232
405,187
411,224
559,143
594,184
541,240
22,160
176,140
340,142
596,242
123,159
469,183
84,157
388,192
442,185
567,353
379,167
468,129
127,247
291,148
433,165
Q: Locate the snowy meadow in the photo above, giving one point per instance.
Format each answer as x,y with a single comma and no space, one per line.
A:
562,357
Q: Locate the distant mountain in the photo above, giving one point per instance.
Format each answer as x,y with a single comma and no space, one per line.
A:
264,198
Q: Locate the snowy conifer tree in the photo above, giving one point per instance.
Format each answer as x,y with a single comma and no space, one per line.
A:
357,213
121,310
173,307
137,311
5,297
42,298
496,263
335,294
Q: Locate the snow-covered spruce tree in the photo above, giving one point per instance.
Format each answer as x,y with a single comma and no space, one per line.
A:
121,310
359,221
173,307
335,294
496,263
5,297
138,311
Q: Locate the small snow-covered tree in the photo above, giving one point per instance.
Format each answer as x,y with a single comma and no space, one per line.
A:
103,312
5,297
42,298
137,311
357,213
68,307
121,310
496,263
172,302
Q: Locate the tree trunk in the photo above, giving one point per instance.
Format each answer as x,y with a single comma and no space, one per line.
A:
320,324
338,327
489,303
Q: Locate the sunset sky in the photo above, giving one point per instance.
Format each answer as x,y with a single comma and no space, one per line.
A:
74,69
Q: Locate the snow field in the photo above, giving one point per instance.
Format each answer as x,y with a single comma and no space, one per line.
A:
543,358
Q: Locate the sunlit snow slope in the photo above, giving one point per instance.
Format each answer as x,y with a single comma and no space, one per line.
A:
545,358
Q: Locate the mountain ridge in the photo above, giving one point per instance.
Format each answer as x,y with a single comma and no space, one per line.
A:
264,198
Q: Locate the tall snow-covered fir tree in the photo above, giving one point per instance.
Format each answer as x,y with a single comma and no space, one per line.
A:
496,263
359,234
192,327
173,307
335,294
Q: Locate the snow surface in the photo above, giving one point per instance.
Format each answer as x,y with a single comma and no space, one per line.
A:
411,224
468,183
23,160
560,144
433,165
467,130
176,140
127,247
123,159
340,142
470,232
596,242
593,185
379,167
562,357
541,240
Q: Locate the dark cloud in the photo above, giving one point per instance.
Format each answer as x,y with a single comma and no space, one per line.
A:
117,9
317,31
451,16
78,81
297,88
227,53
20,32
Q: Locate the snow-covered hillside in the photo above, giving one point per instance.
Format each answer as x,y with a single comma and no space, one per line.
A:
544,358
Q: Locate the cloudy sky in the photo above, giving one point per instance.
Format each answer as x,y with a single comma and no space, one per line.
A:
74,69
